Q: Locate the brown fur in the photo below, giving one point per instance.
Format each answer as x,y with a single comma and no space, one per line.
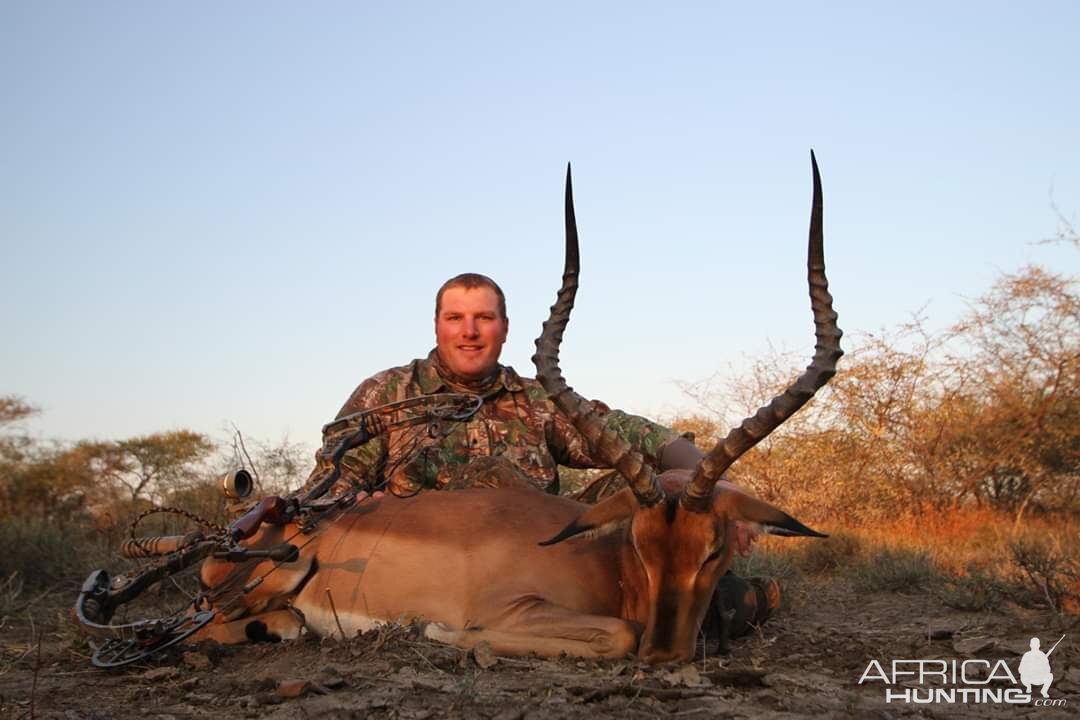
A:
470,564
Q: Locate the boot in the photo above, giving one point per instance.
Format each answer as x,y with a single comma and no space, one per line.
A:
738,606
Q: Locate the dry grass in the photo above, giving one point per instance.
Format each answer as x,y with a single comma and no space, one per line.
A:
970,559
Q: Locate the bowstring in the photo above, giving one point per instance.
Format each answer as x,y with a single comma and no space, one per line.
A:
378,425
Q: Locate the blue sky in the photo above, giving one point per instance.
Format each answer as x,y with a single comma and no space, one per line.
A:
218,213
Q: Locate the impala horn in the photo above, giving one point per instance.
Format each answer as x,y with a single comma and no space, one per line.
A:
754,429
605,444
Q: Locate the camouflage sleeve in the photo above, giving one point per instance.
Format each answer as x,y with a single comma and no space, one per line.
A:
371,393
359,463
647,437
570,449
357,466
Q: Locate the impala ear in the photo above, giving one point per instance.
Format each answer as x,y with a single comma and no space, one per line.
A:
731,502
602,517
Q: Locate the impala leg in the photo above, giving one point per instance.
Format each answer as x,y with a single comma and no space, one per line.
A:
549,631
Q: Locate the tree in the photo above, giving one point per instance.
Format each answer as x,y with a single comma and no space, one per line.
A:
987,412
1025,372
37,479
14,408
148,467
13,447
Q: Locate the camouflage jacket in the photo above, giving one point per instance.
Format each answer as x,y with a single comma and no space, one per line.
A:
517,436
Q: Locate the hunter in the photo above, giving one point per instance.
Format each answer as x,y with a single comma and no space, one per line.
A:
517,437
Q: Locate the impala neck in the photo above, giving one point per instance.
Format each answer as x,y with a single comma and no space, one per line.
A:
633,583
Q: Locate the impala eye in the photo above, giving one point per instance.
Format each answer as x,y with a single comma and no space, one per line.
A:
714,555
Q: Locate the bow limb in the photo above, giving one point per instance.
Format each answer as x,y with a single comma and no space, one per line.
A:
101,596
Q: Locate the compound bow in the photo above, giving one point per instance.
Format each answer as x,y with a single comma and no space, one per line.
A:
101,595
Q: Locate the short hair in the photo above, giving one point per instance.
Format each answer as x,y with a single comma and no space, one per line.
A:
471,281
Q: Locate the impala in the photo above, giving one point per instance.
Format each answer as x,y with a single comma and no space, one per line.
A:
524,571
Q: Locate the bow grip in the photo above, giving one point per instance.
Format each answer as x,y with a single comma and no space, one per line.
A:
270,509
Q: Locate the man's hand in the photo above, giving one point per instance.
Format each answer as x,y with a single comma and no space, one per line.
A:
744,538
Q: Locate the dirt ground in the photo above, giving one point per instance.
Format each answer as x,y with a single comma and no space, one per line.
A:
805,663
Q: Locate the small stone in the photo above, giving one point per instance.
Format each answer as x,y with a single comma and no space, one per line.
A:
161,673
331,677
639,676
291,688
688,675
197,661
942,634
190,683
484,655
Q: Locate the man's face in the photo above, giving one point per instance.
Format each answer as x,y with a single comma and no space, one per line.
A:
470,331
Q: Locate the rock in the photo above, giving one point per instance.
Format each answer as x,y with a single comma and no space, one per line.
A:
291,688
331,677
161,673
942,634
484,655
973,646
197,661
510,714
688,676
